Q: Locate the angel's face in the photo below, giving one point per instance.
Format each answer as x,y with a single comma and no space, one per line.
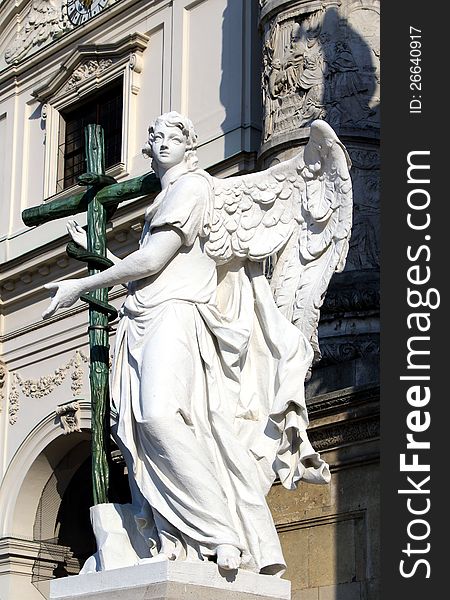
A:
168,145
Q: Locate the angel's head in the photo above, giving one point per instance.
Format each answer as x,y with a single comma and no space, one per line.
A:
171,140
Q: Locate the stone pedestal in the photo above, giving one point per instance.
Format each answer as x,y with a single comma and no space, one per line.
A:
172,580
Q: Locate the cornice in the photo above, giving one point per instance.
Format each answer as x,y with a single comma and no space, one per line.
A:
108,53
354,515
336,401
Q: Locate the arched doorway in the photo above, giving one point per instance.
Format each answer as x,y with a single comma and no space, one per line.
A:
44,507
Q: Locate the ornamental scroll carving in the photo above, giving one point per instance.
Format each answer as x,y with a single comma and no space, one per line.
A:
319,65
39,388
89,68
345,433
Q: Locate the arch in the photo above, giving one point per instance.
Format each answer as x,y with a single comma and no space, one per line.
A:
31,468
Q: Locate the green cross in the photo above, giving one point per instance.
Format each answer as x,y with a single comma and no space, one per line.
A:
100,200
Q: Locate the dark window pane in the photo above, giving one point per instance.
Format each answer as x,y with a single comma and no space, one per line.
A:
103,109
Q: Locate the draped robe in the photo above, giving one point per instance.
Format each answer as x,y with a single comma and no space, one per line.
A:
208,385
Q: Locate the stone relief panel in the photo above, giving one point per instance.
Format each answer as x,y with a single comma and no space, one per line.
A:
364,251
321,63
39,388
89,68
46,21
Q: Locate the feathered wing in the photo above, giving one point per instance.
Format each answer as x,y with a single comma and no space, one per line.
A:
254,215
298,211
327,216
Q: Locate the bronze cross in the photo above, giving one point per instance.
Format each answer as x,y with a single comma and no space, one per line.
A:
100,200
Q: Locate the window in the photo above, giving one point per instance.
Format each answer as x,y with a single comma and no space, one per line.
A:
105,109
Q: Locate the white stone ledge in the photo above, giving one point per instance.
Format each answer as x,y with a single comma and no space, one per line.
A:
171,579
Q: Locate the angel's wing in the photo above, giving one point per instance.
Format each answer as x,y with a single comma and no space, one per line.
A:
254,215
299,211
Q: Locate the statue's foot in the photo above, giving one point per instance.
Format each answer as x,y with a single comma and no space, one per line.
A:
228,557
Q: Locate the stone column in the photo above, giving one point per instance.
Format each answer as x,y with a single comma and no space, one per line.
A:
321,60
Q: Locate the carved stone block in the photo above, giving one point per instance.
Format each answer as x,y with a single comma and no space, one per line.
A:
69,416
171,579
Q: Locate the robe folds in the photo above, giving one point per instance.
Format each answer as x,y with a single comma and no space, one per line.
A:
208,385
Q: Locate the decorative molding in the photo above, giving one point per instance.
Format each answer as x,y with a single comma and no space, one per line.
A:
103,61
3,373
13,403
63,314
344,433
354,515
127,233
349,348
17,554
333,402
88,68
69,416
39,388
351,300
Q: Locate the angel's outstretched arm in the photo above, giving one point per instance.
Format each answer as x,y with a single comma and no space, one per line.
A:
147,261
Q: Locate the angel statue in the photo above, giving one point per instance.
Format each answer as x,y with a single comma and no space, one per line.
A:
210,358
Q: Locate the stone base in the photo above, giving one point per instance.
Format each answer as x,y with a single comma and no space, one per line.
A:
171,580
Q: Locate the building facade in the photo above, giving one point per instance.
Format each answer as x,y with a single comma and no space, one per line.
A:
252,76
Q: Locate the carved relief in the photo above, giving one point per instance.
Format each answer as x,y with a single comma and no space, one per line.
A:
46,21
13,403
2,383
69,416
344,433
364,252
77,375
344,350
353,299
39,388
318,65
89,68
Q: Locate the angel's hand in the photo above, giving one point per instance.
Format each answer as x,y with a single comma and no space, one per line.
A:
77,233
63,294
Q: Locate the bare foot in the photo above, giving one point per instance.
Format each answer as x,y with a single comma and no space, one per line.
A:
228,557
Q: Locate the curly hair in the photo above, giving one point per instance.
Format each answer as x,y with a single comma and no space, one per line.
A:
185,125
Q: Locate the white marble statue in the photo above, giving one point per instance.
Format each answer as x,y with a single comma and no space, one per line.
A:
209,369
